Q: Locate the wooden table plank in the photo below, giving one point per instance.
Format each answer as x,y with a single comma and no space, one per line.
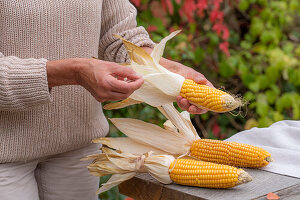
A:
145,187
290,193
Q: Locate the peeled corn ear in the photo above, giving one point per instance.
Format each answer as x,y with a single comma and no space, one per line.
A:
230,153
208,98
162,86
206,174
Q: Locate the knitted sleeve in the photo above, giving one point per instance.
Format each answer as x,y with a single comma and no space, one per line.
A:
119,17
23,83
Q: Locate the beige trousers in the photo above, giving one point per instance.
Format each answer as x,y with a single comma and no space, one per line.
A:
59,177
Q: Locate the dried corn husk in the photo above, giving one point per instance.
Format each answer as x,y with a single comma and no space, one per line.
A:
175,138
160,85
124,166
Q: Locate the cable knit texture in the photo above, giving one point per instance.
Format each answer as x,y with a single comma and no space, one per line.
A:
34,122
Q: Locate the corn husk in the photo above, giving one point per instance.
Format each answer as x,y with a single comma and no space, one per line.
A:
126,144
175,138
124,166
160,85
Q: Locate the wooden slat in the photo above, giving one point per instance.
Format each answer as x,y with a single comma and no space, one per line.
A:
145,187
290,193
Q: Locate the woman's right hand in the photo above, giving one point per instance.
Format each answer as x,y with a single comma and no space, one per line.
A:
104,80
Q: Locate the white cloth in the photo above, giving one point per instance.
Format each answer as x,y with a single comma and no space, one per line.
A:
282,140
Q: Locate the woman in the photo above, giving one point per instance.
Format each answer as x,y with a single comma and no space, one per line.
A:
50,90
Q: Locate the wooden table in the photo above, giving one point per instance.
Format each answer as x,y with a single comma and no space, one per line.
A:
144,187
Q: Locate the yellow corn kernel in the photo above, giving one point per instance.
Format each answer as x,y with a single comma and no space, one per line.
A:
230,153
208,98
206,174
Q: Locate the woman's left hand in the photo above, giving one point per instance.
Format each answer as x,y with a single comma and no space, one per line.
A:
188,73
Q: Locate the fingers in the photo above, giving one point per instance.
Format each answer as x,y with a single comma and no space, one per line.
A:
210,84
124,72
185,105
121,86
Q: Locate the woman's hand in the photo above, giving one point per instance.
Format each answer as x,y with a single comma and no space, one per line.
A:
188,73
106,81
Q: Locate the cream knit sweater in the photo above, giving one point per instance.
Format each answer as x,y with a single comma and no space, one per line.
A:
33,121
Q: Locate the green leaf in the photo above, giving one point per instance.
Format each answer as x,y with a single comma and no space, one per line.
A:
244,5
285,101
288,47
294,76
294,5
214,38
226,70
262,106
296,110
249,96
204,116
268,37
273,73
248,78
246,45
264,122
259,48
263,82
199,55
256,27
271,96
254,86
277,116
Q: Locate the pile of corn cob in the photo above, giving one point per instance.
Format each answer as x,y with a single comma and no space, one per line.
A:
206,163
159,151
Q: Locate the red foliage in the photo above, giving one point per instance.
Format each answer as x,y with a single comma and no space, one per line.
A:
216,15
217,3
128,198
201,5
216,130
151,28
188,9
137,3
224,47
226,33
167,5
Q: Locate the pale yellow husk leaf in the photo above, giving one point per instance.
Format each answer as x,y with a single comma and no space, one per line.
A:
153,135
121,104
125,144
160,85
124,166
181,121
178,131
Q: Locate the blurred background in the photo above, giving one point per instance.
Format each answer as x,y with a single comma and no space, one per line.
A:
248,47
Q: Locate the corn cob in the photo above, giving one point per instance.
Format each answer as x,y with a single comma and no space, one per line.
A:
209,98
230,153
206,174
164,168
